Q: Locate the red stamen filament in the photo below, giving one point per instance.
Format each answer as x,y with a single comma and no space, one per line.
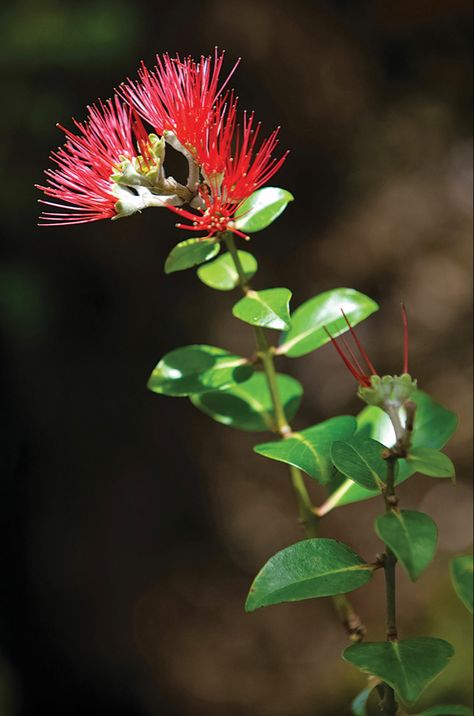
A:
405,339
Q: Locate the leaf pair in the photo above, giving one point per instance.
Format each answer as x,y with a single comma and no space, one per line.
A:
433,427
223,386
256,213
408,666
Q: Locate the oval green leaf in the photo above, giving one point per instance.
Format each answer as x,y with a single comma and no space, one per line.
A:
310,449
268,308
447,710
361,461
434,425
261,209
191,253
308,569
221,273
433,463
308,321
412,537
248,406
461,576
408,666
198,368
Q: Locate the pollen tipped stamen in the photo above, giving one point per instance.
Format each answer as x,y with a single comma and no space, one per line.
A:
360,346
405,338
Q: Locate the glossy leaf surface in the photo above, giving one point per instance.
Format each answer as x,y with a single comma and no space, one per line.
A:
198,368
248,406
361,461
434,425
307,322
412,537
268,308
308,569
433,463
190,253
310,449
462,576
262,208
408,666
221,273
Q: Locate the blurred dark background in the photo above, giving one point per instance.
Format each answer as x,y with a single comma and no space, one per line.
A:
131,525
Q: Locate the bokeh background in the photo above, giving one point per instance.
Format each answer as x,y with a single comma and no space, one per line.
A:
131,525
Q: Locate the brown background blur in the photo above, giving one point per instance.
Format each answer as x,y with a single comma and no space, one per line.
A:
131,524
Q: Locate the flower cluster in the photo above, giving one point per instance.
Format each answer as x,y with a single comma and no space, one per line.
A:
112,166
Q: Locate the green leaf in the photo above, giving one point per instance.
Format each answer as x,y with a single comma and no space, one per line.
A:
434,425
308,321
308,569
222,275
408,666
447,710
261,209
191,253
248,406
461,575
361,461
412,537
310,449
268,308
430,462
198,368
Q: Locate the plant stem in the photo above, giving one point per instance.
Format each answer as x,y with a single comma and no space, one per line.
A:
389,703
306,510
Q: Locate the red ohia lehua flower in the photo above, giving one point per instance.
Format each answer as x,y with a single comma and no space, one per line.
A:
385,391
234,165
178,95
87,160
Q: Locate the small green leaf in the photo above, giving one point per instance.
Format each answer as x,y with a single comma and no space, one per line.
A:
361,461
191,253
461,575
198,368
434,425
221,273
408,666
248,406
308,569
261,209
430,462
268,308
308,321
411,536
310,449
447,710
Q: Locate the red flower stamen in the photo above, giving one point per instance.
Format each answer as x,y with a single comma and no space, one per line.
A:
178,95
352,362
359,346
350,357
405,339
86,161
